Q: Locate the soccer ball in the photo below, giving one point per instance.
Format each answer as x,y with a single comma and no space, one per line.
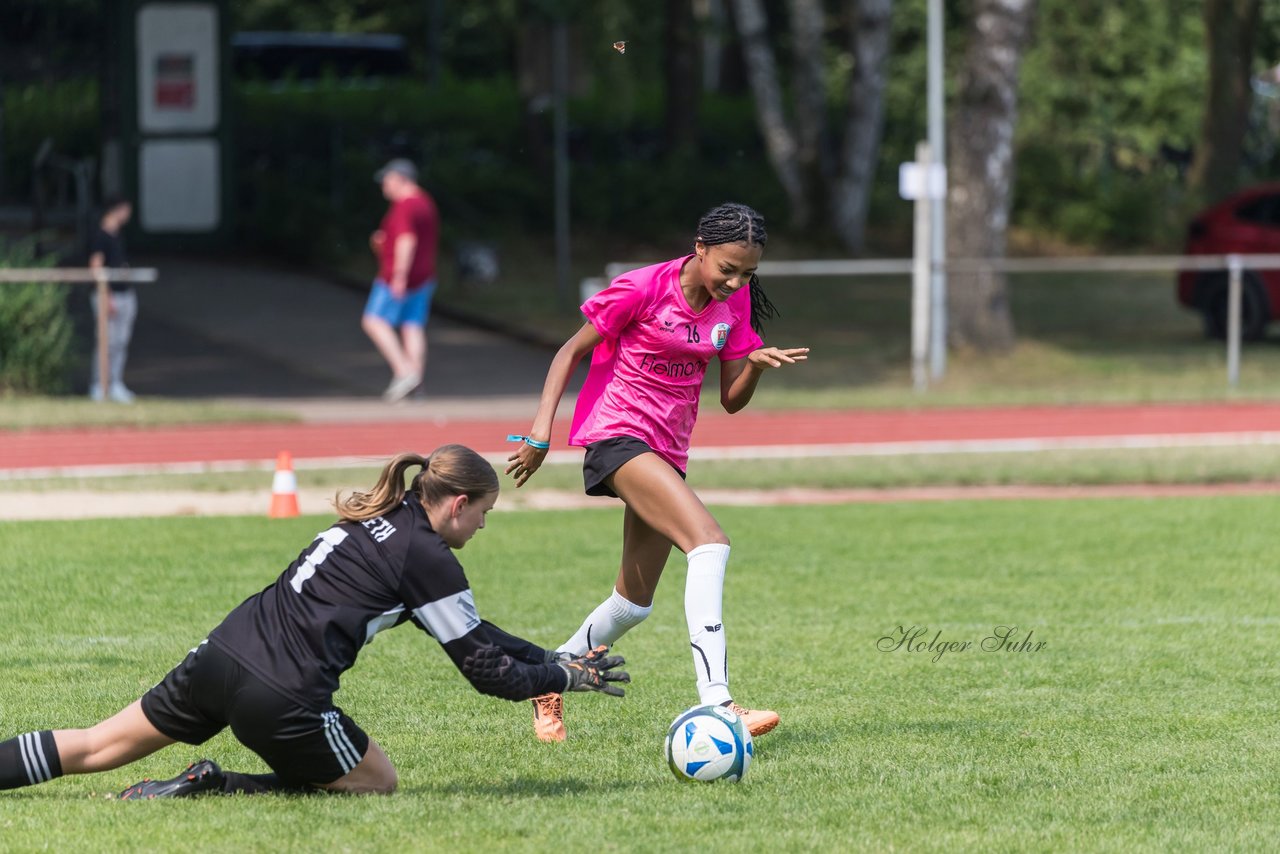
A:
709,743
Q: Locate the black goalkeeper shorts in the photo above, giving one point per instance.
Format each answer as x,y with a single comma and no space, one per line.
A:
210,691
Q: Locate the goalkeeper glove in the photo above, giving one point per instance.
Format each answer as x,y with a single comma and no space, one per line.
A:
594,672
557,656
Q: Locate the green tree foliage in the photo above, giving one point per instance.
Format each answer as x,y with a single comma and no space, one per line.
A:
66,112
35,330
1112,96
475,39
1110,105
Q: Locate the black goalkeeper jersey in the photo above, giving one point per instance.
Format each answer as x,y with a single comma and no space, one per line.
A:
358,578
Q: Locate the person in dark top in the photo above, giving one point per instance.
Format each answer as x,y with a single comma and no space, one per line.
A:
270,670
106,251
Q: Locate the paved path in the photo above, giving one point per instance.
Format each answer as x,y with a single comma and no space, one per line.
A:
747,434
214,327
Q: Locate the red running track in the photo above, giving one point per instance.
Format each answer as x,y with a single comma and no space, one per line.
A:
44,449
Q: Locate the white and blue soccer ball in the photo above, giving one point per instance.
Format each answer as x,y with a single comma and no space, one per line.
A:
709,743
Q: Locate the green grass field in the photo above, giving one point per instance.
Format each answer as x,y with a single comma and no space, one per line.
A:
1146,722
26,412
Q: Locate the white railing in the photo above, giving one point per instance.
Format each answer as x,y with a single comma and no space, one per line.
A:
75,275
1235,265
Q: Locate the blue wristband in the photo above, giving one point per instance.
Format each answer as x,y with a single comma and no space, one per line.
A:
532,443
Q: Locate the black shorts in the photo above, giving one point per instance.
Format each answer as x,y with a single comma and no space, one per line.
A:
607,456
210,690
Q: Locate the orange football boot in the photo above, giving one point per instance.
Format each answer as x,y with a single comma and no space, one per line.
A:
757,721
548,717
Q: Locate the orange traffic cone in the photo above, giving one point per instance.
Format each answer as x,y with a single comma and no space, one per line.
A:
284,489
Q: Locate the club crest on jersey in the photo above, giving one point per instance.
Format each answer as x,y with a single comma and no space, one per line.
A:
720,335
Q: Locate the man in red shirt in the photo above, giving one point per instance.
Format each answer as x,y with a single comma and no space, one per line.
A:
395,316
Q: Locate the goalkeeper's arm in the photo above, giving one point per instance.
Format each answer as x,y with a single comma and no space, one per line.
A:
490,670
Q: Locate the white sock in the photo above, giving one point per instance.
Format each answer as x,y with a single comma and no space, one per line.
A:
609,621
703,595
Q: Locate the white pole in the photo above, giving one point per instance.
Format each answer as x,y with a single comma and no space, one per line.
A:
938,236
921,271
1234,294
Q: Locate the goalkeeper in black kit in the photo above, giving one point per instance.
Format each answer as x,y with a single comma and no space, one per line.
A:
270,670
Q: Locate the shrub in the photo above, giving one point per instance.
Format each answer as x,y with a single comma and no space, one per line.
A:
35,329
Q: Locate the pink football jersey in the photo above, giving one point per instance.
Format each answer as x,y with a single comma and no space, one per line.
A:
647,373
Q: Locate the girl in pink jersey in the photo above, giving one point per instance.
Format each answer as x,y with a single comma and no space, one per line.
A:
652,333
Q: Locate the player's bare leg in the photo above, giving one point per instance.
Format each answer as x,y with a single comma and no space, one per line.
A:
644,554
122,738
374,775
661,499
44,755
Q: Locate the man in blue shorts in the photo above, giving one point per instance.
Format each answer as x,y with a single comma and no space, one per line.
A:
395,317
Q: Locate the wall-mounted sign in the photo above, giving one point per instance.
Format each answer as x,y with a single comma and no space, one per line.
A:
175,81
178,68
179,185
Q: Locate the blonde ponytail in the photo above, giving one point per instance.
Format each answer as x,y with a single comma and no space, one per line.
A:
386,494
450,470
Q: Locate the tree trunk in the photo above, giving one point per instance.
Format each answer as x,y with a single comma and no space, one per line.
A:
981,173
680,69
1230,29
762,73
869,35
809,95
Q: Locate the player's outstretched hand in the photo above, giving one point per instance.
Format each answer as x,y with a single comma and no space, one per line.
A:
524,462
596,673
775,357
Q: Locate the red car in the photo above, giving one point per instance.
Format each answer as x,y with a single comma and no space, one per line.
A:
1246,223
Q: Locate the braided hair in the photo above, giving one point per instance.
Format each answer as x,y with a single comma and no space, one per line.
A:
737,223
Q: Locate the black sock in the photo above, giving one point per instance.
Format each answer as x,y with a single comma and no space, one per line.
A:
236,783
29,759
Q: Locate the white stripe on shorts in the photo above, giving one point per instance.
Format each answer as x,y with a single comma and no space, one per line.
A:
37,751
339,743
29,761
